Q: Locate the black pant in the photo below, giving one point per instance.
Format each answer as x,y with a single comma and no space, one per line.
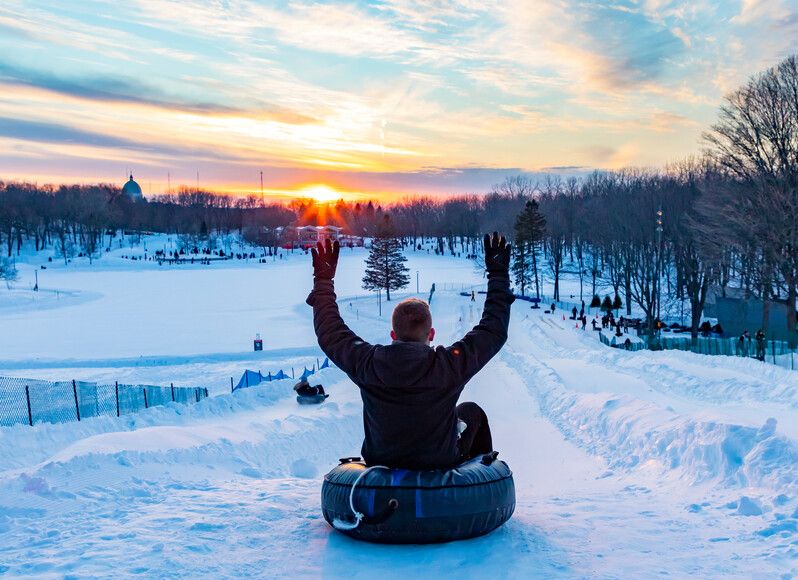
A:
476,439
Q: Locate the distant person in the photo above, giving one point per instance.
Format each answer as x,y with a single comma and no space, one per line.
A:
410,389
304,389
573,313
593,322
760,344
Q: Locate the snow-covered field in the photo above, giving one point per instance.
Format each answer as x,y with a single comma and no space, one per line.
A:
627,465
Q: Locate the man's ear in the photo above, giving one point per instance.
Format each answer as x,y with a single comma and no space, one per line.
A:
393,335
431,334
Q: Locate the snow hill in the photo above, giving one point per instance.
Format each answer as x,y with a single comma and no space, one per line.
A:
627,464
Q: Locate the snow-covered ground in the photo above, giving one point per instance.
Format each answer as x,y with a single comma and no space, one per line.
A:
627,464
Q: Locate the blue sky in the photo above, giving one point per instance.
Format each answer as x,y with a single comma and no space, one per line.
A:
393,97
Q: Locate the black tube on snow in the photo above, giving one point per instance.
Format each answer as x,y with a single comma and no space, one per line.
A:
401,506
310,399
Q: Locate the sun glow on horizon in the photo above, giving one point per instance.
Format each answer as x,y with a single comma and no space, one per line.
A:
320,193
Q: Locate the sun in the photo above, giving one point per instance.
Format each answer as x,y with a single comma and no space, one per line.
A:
321,193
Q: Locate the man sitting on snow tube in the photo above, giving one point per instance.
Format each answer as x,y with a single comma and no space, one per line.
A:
409,389
307,395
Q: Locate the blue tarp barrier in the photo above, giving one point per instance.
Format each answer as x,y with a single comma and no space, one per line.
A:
249,379
253,378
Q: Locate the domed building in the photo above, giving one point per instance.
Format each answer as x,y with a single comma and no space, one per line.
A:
132,189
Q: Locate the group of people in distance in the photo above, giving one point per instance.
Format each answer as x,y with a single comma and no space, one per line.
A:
608,320
581,317
744,344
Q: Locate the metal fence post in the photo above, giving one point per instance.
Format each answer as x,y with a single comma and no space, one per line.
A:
27,397
172,385
232,388
116,390
75,392
196,394
145,397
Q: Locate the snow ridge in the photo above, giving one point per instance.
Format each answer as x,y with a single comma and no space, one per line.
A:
629,432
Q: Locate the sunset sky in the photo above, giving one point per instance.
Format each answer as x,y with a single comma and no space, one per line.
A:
391,97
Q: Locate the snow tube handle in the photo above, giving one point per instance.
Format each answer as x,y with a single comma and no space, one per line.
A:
489,458
382,517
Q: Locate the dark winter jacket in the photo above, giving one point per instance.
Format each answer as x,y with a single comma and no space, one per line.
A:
410,389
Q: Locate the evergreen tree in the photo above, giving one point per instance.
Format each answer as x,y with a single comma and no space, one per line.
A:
606,306
385,265
8,270
617,303
530,226
596,302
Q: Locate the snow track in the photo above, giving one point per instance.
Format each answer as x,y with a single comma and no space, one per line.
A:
600,400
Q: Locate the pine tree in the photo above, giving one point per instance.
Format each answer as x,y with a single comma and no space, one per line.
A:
596,302
617,303
385,265
530,225
606,306
522,261
8,270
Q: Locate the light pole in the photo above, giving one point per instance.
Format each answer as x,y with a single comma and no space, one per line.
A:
379,300
417,282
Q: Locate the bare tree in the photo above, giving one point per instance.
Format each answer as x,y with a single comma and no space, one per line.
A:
756,142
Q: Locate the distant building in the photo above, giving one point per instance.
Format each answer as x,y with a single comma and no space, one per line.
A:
132,189
308,236
736,312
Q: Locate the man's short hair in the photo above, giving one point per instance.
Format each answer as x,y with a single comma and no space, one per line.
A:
412,320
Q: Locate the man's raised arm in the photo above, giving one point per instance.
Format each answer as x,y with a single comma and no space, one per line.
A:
481,344
344,348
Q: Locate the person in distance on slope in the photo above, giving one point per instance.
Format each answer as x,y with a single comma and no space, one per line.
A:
304,389
409,389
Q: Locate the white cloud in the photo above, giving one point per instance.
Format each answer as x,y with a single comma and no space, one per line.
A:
754,10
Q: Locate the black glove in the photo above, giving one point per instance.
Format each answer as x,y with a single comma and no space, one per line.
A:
497,254
325,260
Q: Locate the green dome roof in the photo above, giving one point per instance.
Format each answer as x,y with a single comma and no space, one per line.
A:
132,189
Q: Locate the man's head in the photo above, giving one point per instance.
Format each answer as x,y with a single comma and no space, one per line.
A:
412,321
